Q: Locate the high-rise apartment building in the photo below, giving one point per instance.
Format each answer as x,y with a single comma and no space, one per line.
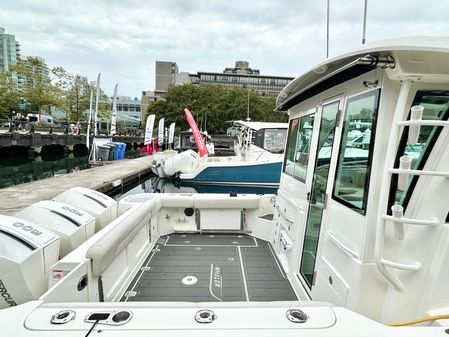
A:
167,73
9,50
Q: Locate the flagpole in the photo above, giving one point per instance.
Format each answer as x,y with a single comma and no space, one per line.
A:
96,106
114,112
90,118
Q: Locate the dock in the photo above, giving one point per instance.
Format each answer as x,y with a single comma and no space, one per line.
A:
102,178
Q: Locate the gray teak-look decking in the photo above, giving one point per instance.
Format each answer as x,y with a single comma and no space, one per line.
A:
220,267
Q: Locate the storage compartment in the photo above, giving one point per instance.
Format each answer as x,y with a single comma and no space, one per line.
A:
285,249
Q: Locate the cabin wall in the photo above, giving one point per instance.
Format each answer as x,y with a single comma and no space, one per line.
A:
345,270
345,264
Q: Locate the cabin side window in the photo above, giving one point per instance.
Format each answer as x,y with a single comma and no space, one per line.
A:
355,153
298,147
436,107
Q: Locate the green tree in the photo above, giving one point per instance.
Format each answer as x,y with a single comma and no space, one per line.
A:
9,95
75,93
214,105
35,85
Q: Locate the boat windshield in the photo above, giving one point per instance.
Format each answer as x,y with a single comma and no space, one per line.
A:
274,140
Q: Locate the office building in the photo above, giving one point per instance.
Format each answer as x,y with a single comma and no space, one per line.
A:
147,97
167,73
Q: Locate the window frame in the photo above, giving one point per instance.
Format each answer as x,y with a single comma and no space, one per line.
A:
400,152
311,112
334,196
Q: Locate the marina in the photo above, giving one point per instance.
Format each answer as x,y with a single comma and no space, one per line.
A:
326,255
241,202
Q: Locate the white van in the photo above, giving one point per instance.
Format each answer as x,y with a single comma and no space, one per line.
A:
44,119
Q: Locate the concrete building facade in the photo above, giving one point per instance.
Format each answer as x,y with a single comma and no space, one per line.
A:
167,73
147,97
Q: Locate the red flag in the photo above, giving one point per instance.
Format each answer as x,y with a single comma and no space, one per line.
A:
200,144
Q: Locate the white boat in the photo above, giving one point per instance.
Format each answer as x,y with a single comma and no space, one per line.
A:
348,245
258,159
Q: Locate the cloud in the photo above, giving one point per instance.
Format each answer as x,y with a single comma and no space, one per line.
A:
123,39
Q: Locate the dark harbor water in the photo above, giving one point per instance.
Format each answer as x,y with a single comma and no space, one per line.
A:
22,168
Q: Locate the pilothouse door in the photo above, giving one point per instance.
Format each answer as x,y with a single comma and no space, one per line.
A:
317,196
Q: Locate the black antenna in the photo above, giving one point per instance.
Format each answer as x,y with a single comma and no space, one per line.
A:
327,30
364,22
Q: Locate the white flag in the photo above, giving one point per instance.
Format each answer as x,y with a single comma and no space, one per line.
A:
160,136
171,133
149,129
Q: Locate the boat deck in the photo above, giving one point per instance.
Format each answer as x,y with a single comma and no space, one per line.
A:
210,268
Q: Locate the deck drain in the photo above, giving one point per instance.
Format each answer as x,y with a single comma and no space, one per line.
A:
205,316
230,258
187,241
235,242
197,248
189,280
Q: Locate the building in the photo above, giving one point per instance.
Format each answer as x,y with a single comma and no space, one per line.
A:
147,97
167,73
9,50
128,110
37,68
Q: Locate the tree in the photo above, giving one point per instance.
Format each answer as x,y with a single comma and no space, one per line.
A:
35,85
214,104
75,91
9,95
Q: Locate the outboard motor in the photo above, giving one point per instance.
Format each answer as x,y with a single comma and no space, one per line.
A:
72,224
132,200
184,162
27,251
102,207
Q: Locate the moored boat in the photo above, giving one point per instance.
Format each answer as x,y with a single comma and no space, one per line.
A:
258,159
362,227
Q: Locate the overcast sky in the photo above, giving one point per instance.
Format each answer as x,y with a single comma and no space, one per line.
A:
122,39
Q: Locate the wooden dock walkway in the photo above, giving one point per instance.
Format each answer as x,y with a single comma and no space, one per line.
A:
101,178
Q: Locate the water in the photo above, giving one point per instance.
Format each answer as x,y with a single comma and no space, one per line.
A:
158,185
19,168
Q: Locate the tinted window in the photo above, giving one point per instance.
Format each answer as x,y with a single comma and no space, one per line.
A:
298,147
436,107
354,158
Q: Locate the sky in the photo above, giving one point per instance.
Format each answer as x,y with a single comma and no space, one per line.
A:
122,39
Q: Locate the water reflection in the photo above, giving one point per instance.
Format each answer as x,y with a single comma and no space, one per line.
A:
22,169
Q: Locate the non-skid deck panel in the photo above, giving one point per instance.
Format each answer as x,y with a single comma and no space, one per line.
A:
211,272
210,240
